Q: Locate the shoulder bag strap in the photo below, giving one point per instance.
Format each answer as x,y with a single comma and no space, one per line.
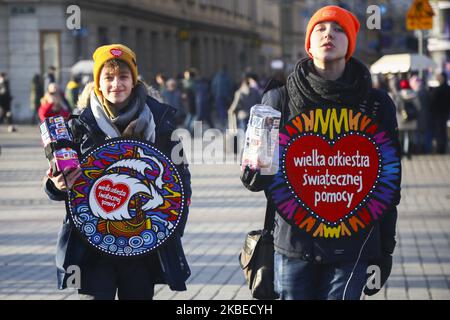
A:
270,207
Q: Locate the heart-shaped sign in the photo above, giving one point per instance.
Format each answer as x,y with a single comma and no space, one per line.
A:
111,196
332,180
339,171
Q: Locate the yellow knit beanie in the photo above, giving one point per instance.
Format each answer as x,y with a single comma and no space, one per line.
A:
113,51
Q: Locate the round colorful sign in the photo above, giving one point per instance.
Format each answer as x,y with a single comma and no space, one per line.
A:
129,198
339,171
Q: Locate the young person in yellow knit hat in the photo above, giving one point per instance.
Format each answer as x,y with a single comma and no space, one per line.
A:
115,105
308,267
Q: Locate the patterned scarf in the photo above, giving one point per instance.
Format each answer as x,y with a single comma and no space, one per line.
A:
134,121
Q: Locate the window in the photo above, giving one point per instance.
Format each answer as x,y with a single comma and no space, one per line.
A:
154,50
242,8
140,39
50,49
141,50
102,36
123,35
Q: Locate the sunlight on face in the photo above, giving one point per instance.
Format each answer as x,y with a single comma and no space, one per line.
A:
116,85
328,42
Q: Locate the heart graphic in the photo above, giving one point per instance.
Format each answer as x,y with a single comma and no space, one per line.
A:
110,196
332,179
116,52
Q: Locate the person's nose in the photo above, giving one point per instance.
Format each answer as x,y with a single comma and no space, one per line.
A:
329,33
115,82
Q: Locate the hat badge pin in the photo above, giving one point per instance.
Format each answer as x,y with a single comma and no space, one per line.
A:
116,52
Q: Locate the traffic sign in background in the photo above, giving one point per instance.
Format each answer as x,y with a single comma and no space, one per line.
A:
420,16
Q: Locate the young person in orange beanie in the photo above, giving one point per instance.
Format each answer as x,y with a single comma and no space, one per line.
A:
307,267
118,105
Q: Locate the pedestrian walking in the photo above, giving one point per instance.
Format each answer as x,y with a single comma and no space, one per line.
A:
188,94
309,267
49,77
160,81
222,90
171,95
424,133
117,105
254,83
5,102
407,114
53,104
244,98
36,94
203,105
72,91
440,109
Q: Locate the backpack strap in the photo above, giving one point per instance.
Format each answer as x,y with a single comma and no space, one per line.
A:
73,116
275,95
285,112
272,84
269,219
372,103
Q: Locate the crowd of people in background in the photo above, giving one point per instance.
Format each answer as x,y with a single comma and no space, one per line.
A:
5,102
222,103
219,102
422,112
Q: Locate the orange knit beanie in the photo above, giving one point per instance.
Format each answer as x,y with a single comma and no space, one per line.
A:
343,17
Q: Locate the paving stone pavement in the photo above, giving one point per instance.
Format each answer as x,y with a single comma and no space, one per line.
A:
222,212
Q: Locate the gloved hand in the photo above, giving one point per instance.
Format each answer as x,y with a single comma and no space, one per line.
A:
253,180
385,265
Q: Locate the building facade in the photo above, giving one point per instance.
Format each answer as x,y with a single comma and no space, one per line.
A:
439,36
168,36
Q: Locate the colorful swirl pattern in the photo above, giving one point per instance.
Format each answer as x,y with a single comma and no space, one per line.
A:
147,230
333,125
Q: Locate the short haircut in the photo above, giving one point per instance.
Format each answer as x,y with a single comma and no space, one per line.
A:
116,65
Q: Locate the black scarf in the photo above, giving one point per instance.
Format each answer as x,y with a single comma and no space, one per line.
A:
307,89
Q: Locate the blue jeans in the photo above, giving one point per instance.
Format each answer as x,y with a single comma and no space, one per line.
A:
222,105
297,279
242,124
